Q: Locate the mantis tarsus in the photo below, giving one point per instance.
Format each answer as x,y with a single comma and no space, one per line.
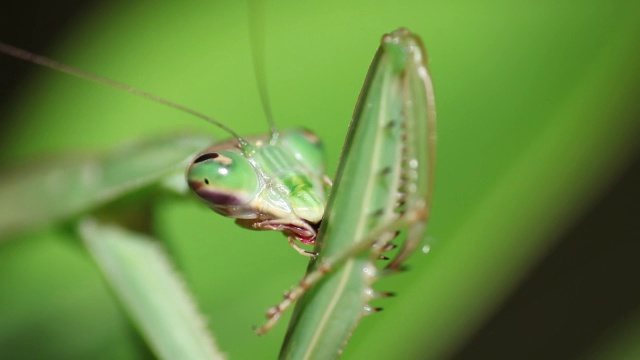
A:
402,141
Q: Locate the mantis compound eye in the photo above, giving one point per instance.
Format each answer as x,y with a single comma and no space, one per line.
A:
223,179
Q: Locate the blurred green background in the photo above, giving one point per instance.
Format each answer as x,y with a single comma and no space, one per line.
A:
538,114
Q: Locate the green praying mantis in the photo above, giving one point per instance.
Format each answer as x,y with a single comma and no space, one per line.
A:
384,184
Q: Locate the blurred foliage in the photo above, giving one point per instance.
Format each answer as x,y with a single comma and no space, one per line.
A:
535,104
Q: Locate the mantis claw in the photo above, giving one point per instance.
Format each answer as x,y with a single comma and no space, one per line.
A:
300,250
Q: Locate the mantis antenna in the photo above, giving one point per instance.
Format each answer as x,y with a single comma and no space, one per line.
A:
54,65
257,40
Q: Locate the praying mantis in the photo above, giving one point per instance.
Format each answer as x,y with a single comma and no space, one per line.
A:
394,121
